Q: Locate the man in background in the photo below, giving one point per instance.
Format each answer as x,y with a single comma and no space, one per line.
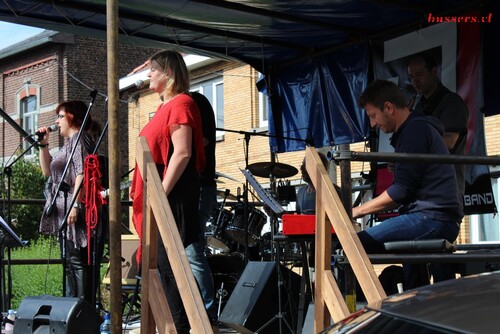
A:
208,198
437,100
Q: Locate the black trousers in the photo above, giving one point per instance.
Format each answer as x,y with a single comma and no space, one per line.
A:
78,273
171,291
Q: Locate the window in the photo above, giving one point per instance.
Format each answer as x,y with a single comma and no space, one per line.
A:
263,103
263,110
213,90
485,228
28,108
29,117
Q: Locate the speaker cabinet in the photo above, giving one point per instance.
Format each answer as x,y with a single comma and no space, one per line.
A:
56,315
254,304
226,271
130,268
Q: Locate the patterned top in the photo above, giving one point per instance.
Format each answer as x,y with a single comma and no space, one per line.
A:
50,224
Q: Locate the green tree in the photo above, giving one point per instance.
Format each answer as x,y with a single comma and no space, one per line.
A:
27,183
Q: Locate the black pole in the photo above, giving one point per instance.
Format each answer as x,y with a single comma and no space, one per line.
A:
17,127
414,157
6,292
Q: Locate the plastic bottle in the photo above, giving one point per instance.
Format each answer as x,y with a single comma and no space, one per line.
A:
106,325
9,324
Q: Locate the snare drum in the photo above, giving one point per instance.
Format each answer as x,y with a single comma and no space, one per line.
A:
236,228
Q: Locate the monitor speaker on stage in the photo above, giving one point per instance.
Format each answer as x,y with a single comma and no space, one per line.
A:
253,305
56,315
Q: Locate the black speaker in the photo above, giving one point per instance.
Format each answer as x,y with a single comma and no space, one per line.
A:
253,305
226,271
56,315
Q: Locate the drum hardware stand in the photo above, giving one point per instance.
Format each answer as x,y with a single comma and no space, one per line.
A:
280,316
245,186
277,209
218,226
221,294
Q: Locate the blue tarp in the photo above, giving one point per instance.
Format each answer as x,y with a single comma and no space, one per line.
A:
316,103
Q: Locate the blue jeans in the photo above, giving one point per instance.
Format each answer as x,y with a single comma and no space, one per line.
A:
411,226
203,276
195,253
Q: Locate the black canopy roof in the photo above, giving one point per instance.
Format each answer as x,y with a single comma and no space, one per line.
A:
262,33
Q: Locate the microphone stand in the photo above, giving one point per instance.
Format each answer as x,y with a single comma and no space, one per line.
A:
6,300
96,247
274,224
63,186
17,127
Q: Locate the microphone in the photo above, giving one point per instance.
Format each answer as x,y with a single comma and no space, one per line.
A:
138,85
40,135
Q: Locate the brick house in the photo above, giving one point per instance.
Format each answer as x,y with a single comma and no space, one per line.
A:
44,70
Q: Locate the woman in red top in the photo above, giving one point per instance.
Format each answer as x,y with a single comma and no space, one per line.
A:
175,138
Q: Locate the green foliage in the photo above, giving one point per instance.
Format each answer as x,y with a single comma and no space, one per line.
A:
40,279
27,183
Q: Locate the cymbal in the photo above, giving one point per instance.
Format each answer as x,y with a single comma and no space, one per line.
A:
277,169
231,197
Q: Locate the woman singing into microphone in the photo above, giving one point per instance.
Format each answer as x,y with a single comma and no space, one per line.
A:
70,116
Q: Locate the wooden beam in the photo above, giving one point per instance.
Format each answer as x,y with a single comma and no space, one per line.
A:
159,218
115,263
191,298
322,264
159,305
149,248
327,197
333,298
330,211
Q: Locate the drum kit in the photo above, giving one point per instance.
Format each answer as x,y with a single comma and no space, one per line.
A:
226,230
228,240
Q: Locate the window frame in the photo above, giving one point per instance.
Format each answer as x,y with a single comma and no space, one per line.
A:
218,106
26,92
263,111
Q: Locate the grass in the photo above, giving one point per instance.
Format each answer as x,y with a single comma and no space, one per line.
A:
39,279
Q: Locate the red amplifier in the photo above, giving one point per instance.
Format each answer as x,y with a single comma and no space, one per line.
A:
294,224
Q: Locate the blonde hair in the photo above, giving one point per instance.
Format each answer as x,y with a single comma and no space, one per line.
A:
178,82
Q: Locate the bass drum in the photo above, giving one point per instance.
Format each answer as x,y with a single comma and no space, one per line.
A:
236,228
215,234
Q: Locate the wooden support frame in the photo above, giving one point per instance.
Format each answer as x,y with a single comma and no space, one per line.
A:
331,212
158,218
